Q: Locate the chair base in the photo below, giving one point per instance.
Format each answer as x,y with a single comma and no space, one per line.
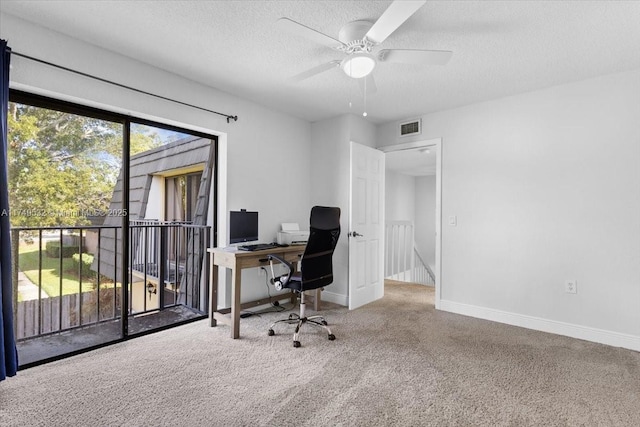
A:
295,319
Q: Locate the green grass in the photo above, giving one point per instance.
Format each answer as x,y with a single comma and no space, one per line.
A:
29,264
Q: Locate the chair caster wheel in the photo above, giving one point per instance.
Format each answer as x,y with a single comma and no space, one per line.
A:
324,322
332,337
271,333
296,344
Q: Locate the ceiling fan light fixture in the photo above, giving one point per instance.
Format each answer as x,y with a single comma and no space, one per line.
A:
358,65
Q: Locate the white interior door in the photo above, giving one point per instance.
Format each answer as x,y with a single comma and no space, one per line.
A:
366,226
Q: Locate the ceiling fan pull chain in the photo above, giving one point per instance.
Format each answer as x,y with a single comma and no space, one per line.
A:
364,114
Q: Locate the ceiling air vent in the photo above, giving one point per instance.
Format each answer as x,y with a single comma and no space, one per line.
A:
412,127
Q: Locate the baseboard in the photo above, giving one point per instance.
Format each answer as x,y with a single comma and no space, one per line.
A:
335,298
616,339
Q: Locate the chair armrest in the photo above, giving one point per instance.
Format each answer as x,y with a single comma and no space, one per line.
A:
281,281
282,261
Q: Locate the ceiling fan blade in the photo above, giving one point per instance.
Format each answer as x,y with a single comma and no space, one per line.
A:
298,29
315,70
415,56
395,15
370,85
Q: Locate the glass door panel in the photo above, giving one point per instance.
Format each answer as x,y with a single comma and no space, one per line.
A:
167,227
63,170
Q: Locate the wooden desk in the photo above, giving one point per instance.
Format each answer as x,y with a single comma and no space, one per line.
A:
236,260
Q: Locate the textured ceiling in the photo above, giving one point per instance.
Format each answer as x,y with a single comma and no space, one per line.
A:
500,48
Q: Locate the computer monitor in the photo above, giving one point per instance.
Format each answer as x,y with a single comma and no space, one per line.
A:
243,226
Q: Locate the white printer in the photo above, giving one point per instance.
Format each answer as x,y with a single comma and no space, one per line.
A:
292,235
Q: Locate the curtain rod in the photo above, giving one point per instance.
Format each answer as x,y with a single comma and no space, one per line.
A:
229,117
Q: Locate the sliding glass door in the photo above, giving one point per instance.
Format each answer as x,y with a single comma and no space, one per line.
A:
110,226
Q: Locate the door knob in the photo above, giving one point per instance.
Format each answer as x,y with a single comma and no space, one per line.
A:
355,234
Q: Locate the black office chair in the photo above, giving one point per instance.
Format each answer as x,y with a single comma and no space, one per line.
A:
316,268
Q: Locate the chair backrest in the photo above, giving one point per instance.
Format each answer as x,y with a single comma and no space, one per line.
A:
316,264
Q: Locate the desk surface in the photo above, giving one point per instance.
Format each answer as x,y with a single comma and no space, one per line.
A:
231,257
238,252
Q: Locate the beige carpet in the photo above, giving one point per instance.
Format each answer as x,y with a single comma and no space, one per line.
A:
394,362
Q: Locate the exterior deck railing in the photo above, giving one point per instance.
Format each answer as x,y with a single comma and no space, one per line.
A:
169,256
64,278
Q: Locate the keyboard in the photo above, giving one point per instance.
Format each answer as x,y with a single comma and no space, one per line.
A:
257,247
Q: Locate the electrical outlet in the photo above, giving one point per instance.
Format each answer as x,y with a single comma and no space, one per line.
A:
571,287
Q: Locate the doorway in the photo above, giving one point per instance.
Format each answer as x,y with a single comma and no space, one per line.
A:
413,213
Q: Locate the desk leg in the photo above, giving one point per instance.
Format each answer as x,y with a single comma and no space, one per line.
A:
213,294
235,302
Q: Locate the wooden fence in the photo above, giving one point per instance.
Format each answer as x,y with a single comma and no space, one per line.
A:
37,317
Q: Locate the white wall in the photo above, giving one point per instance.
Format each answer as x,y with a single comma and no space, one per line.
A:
400,197
330,176
546,188
329,170
425,214
361,131
263,149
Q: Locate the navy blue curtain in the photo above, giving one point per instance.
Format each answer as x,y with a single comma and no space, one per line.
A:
8,351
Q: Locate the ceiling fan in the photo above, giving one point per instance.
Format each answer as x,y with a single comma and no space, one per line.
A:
358,40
